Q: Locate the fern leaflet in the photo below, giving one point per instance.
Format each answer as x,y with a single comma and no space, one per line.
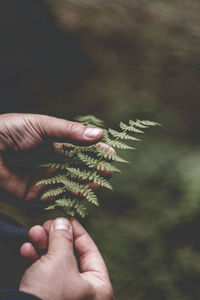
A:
76,167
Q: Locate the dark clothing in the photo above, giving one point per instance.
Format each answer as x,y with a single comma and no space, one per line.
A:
12,236
16,295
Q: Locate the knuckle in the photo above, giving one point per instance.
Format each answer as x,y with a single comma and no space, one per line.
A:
106,147
74,127
62,234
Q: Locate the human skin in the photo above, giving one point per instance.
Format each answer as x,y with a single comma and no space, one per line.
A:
25,139
56,274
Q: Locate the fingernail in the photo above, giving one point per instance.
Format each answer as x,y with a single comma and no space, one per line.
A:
61,223
92,132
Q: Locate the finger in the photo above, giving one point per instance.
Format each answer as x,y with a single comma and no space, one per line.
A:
35,190
89,255
47,226
61,243
39,238
28,253
63,129
106,172
106,147
94,186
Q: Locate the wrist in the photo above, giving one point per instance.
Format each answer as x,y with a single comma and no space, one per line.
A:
42,291
29,291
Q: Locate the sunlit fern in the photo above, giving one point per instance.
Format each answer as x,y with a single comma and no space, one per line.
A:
79,166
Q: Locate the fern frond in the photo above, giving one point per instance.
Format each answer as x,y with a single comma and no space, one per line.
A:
122,135
148,123
90,196
81,209
129,128
83,190
54,166
71,151
106,139
90,120
68,211
96,178
88,160
45,165
61,178
73,186
78,166
68,205
77,173
46,181
109,154
50,207
115,143
90,177
67,153
137,124
65,202
120,145
76,148
53,192
85,149
105,166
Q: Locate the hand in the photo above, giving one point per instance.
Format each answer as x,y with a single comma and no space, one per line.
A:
56,275
22,140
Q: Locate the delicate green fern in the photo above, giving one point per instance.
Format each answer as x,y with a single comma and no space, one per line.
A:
77,167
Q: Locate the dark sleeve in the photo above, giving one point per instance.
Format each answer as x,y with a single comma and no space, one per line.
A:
12,236
12,267
16,295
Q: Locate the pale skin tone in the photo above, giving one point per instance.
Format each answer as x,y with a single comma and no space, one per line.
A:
56,274
25,140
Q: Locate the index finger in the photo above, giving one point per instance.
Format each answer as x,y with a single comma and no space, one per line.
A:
89,255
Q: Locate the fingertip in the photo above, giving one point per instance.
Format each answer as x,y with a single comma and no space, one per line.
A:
34,230
106,147
28,252
61,223
89,255
74,221
94,186
78,229
61,239
38,237
93,133
47,226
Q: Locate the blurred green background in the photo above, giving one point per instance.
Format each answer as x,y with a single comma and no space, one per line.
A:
121,60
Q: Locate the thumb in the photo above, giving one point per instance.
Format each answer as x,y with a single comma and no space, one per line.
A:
63,129
61,242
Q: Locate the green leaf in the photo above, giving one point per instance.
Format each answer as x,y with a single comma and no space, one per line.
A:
149,123
88,160
78,166
109,154
52,192
122,135
129,128
81,209
50,207
90,120
120,145
105,166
